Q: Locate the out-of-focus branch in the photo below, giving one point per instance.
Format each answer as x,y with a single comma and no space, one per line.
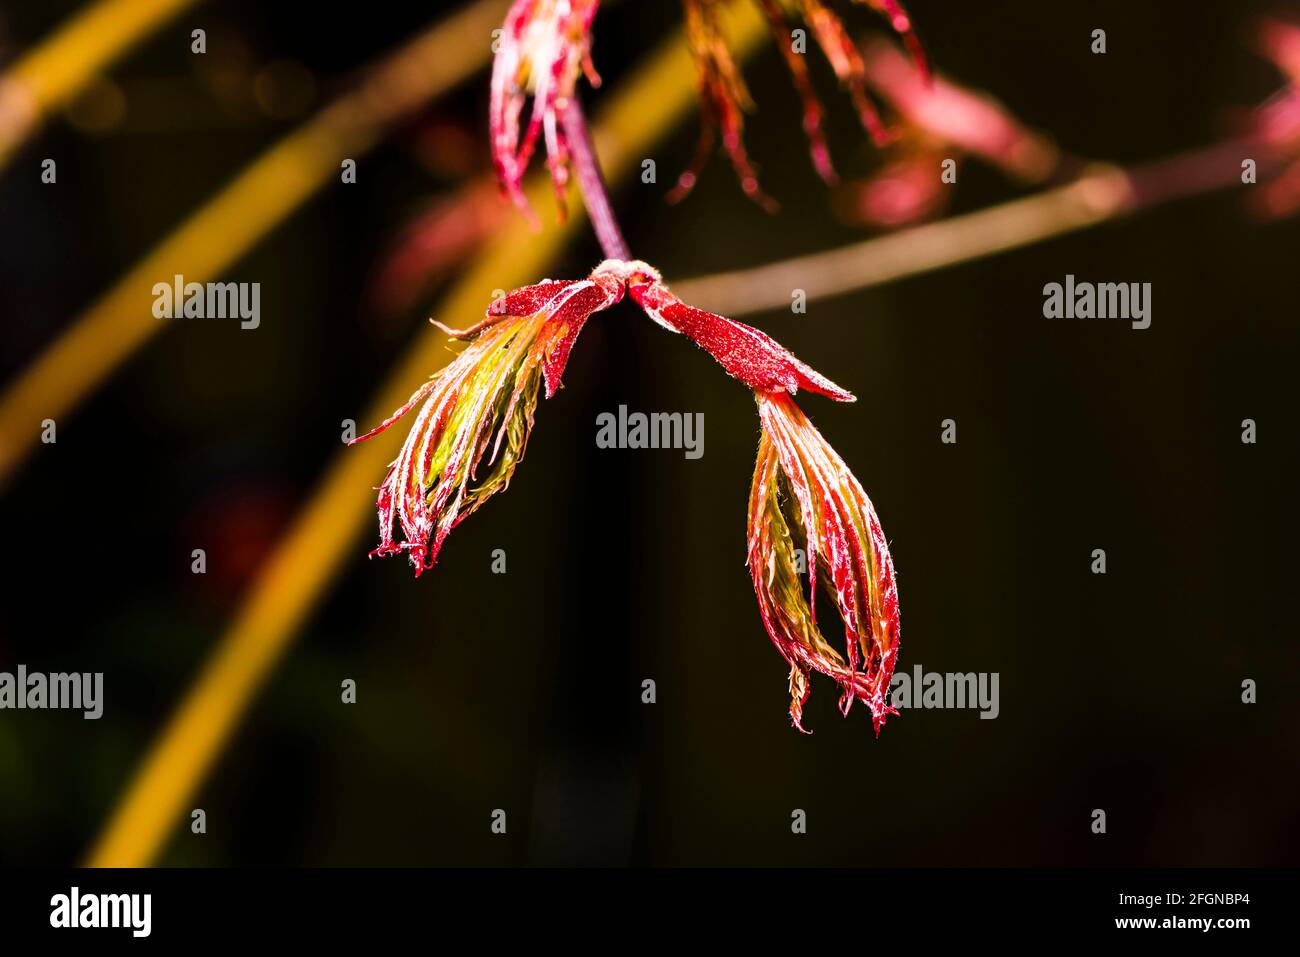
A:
257,201
952,117
59,68
314,548
1101,194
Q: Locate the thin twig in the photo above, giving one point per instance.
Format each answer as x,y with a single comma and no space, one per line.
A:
1102,193
595,194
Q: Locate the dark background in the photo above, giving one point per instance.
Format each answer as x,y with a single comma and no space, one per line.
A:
522,691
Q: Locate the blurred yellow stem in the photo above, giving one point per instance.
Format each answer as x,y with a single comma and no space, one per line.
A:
311,553
257,201
50,75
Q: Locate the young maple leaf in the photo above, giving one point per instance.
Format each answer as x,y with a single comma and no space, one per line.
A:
543,47
486,398
724,97
482,401
546,44
748,354
836,523
803,495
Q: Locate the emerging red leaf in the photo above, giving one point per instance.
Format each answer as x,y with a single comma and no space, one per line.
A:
724,97
544,46
485,398
779,25
804,496
723,101
751,356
